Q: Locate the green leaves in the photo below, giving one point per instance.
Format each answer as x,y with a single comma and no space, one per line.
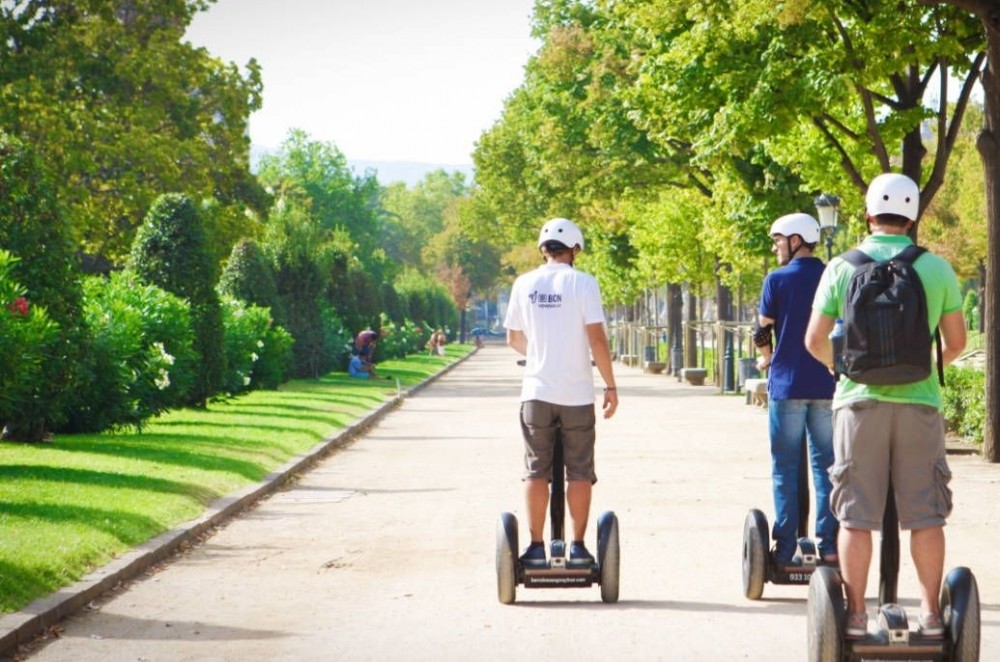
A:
755,106
122,110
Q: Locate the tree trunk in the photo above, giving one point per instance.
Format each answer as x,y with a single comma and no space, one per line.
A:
691,339
988,143
982,296
675,325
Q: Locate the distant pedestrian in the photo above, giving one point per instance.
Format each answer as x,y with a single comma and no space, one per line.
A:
435,345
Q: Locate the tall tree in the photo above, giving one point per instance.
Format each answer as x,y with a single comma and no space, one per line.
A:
988,143
817,83
414,216
337,198
122,109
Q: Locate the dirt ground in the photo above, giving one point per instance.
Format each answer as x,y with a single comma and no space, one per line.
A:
386,549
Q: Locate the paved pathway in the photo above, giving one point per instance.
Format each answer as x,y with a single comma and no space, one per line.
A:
385,551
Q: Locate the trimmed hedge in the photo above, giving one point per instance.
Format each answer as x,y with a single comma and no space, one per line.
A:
171,251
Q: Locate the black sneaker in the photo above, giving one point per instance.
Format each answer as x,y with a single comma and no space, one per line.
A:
533,555
578,554
779,563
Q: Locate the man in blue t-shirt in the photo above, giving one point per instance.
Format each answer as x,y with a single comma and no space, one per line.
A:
799,387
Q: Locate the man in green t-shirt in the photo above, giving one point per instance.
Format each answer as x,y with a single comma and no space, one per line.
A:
883,432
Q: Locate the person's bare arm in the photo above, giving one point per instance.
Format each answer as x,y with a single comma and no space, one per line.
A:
818,338
953,336
518,341
601,351
766,351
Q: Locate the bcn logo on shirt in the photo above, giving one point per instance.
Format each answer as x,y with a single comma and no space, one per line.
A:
543,300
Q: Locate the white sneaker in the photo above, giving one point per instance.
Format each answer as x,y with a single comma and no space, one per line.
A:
856,626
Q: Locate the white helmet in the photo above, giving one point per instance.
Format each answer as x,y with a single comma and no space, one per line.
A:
562,230
890,193
803,225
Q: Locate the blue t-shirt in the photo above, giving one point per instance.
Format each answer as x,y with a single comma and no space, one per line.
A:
787,298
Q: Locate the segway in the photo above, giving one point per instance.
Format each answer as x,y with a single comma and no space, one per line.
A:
892,639
557,573
759,566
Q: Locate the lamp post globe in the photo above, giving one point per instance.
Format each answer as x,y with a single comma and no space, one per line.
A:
827,208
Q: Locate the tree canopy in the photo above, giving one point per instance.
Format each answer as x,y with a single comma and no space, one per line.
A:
121,109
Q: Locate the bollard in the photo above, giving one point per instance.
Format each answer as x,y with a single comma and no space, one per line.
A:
728,378
676,358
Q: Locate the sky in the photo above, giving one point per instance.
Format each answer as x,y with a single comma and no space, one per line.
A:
383,80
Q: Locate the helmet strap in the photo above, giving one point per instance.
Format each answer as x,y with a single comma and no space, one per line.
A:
791,251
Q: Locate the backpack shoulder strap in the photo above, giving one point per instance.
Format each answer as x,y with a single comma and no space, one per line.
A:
856,257
939,356
910,254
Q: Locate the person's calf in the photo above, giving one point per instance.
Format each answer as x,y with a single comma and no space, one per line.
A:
927,548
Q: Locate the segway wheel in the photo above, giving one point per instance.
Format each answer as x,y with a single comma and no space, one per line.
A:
506,558
755,544
960,609
826,616
608,556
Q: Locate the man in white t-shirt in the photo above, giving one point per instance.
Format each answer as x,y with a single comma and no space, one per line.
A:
556,320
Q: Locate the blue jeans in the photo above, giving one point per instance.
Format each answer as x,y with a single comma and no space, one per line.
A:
790,422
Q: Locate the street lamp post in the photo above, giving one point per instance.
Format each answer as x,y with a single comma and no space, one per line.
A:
827,206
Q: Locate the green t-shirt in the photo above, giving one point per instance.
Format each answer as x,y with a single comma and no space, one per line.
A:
943,296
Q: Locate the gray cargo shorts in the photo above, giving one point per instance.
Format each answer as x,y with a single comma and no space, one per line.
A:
542,423
873,441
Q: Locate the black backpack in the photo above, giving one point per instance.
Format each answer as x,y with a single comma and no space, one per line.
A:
887,340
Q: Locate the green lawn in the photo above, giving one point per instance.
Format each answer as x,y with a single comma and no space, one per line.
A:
73,505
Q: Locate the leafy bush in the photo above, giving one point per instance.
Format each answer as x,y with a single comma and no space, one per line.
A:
258,354
338,340
171,251
964,402
275,362
426,299
142,359
398,340
28,338
970,309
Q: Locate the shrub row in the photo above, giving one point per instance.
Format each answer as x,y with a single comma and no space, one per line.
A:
964,402
149,338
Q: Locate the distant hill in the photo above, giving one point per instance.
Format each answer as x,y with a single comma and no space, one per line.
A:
387,172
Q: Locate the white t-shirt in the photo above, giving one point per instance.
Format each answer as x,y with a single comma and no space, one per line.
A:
552,305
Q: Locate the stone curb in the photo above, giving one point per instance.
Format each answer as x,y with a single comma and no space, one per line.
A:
23,626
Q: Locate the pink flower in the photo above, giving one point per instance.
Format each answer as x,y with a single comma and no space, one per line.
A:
19,306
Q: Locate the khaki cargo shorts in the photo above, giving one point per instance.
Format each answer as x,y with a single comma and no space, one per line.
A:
542,423
874,440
